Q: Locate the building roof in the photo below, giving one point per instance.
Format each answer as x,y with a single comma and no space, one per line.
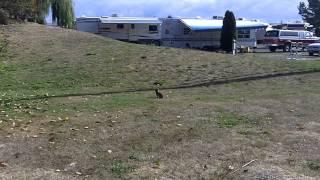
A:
130,20
214,24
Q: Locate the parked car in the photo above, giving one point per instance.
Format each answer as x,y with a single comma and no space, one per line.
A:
313,48
283,39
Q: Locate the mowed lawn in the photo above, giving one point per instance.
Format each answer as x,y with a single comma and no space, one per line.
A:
52,61
196,133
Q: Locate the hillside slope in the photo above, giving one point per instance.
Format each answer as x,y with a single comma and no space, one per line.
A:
208,132
52,61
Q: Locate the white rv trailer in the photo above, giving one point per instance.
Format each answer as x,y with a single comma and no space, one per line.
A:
88,24
205,33
130,29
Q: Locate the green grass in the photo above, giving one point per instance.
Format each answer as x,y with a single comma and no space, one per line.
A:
3,45
225,120
3,50
118,168
59,62
177,136
56,107
314,165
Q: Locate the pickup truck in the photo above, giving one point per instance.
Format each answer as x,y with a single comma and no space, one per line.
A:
282,39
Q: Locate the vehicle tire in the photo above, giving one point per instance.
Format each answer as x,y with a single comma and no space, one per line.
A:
272,49
286,48
310,53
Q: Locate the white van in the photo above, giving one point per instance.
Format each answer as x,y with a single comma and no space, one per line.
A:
282,39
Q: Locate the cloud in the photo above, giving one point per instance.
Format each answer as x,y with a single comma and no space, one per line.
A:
269,10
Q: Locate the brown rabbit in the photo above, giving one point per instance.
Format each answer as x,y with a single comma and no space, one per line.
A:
158,94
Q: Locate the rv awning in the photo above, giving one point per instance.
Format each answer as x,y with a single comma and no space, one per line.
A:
212,25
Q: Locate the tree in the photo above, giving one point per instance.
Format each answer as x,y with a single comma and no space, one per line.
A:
228,33
310,12
18,9
3,17
63,12
37,10
40,10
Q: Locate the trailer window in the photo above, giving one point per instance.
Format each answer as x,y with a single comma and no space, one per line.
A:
105,29
120,26
272,34
289,33
153,28
244,34
132,26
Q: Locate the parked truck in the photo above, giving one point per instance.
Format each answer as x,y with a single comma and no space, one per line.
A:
283,39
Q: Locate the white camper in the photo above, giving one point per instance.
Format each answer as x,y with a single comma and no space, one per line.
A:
131,29
206,33
88,24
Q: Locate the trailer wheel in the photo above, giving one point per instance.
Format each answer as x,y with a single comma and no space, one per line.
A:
272,49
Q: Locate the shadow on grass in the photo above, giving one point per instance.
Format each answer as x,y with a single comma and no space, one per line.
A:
251,77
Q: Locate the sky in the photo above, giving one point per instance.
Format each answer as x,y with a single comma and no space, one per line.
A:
266,10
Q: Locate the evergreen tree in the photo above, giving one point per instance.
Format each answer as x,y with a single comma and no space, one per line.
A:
228,33
310,12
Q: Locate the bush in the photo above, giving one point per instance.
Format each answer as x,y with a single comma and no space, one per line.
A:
3,17
228,33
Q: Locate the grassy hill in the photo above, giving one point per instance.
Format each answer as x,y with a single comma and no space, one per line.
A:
53,61
205,132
